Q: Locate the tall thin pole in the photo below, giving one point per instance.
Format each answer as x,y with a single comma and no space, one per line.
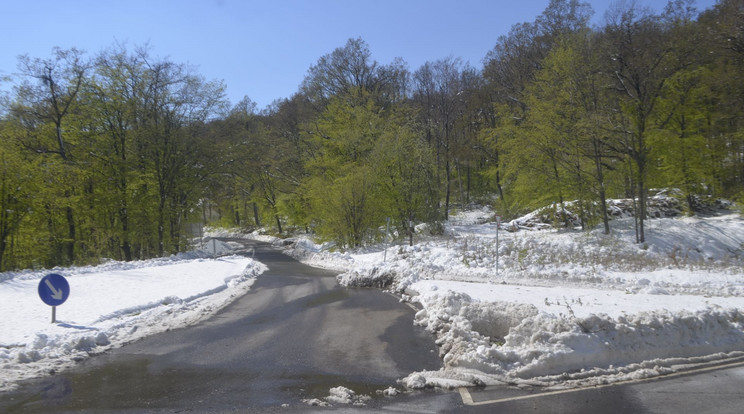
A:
498,224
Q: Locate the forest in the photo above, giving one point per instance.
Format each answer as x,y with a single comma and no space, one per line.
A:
123,156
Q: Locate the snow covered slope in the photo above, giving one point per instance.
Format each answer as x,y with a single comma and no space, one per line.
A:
564,307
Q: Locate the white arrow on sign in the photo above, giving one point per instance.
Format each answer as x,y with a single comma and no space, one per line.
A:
56,294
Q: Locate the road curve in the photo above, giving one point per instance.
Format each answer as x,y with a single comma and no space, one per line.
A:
292,337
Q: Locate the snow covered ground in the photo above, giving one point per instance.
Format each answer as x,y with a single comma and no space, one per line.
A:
564,307
547,307
110,305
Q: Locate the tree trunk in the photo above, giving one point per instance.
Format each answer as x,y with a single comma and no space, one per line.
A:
640,159
600,180
256,217
126,246
410,230
468,188
60,141
278,223
70,244
458,167
161,229
642,210
498,185
632,189
447,189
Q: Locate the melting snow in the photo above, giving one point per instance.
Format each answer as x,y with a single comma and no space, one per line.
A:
110,305
547,307
565,307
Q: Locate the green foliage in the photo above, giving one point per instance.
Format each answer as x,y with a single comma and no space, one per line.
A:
118,156
405,169
370,164
684,157
345,208
340,187
18,186
111,154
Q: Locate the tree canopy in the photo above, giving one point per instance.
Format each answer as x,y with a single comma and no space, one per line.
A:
122,155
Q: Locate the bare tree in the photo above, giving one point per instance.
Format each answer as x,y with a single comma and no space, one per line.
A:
51,88
438,89
350,72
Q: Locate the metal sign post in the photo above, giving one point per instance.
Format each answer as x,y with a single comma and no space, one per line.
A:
54,290
498,224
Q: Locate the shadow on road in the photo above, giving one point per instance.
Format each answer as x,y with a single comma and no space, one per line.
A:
292,337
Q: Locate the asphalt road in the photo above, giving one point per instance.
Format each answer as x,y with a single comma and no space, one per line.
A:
713,389
292,337
296,334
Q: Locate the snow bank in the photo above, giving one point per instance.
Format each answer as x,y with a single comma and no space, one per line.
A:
564,306
110,305
322,255
512,342
343,395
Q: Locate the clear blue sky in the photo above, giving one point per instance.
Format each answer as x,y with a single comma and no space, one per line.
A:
263,49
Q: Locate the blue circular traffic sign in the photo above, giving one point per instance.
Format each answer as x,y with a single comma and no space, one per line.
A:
54,289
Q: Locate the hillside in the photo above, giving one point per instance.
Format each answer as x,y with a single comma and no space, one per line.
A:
562,306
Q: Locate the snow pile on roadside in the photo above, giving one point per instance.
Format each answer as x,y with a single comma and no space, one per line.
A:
339,395
237,233
301,248
664,203
321,255
518,343
110,305
564,305
681,255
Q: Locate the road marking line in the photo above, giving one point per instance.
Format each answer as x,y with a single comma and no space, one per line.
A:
467,398
410,305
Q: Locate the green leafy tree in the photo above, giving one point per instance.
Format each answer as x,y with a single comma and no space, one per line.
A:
567,109
341,180
644,61
17,189
345,206
176,104
112,98
509,70
723,26
48,94
679,143
406,172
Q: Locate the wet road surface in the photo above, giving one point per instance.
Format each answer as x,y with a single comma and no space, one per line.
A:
292,337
